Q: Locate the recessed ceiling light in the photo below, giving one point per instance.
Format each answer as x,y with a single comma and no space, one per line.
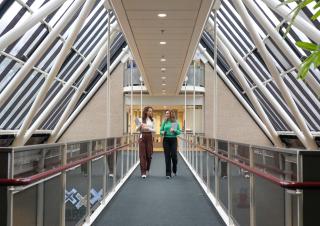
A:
163,60
163,69
163,43
163,84
162,15
163,77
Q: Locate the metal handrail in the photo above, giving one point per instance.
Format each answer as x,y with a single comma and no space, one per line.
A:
39,176
292,185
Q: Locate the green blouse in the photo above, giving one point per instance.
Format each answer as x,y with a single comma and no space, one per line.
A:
166,126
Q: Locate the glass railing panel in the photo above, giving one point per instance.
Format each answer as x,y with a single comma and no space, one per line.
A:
223,177
97,174
240,193
204,166
25,207
52,203
76,194
270,203
110,171
282,165
212,172
33,160
76,151
119,164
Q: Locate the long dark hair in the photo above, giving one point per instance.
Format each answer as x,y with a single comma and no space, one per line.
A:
172,117
145,114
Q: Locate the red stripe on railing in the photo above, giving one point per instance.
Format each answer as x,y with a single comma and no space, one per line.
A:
48,173
282,183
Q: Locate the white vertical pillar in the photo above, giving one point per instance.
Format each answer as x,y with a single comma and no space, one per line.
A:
215,79
141,96
185,108
250,24
131,97
194,99
108,74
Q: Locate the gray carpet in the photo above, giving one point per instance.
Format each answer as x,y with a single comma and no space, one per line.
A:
160,201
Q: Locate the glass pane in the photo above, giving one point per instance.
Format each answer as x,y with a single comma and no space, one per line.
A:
223,194
270,211
25,207
76,195
240,193
52,203
97,182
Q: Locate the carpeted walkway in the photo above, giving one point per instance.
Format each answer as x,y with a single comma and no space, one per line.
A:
160,201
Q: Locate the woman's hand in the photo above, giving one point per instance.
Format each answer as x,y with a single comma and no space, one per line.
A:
171,130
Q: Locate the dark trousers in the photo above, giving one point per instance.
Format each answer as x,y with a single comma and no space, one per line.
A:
145,152
170,154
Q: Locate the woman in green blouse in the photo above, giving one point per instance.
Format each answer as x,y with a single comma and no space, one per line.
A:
170,129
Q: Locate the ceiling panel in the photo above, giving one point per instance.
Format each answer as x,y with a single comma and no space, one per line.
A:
181,29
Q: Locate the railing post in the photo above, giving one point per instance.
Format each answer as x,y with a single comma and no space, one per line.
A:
6,207
40,192
89,164
252,190
216,169
229,184
208,172
114,163
64,149
201,160
104,179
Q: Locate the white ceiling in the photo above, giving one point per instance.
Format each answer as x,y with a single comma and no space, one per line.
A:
182,30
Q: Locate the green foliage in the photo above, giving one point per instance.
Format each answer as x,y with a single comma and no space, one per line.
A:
313,60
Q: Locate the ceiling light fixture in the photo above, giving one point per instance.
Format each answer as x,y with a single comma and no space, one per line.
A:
163,42
163,84
162,15
163,60
163,69
163,77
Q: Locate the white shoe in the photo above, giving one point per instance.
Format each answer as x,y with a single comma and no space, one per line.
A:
168,177
110,174
143,176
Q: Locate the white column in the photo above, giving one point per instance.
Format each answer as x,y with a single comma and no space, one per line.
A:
194,99
215,79
241,78
141,96
236,93
23,26
250,24
279,40
91,93
305,26
35,57
67,86
131,97
54,71
108,74
185,107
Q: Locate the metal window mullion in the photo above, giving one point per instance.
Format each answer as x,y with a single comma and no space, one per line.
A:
24,26
67,86
303,25
307,138
78,93
252,97
91,93
54,71
281,43
236,93
264,90
18,78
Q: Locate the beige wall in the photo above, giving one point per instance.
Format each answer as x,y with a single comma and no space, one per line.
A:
92,120
234,122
